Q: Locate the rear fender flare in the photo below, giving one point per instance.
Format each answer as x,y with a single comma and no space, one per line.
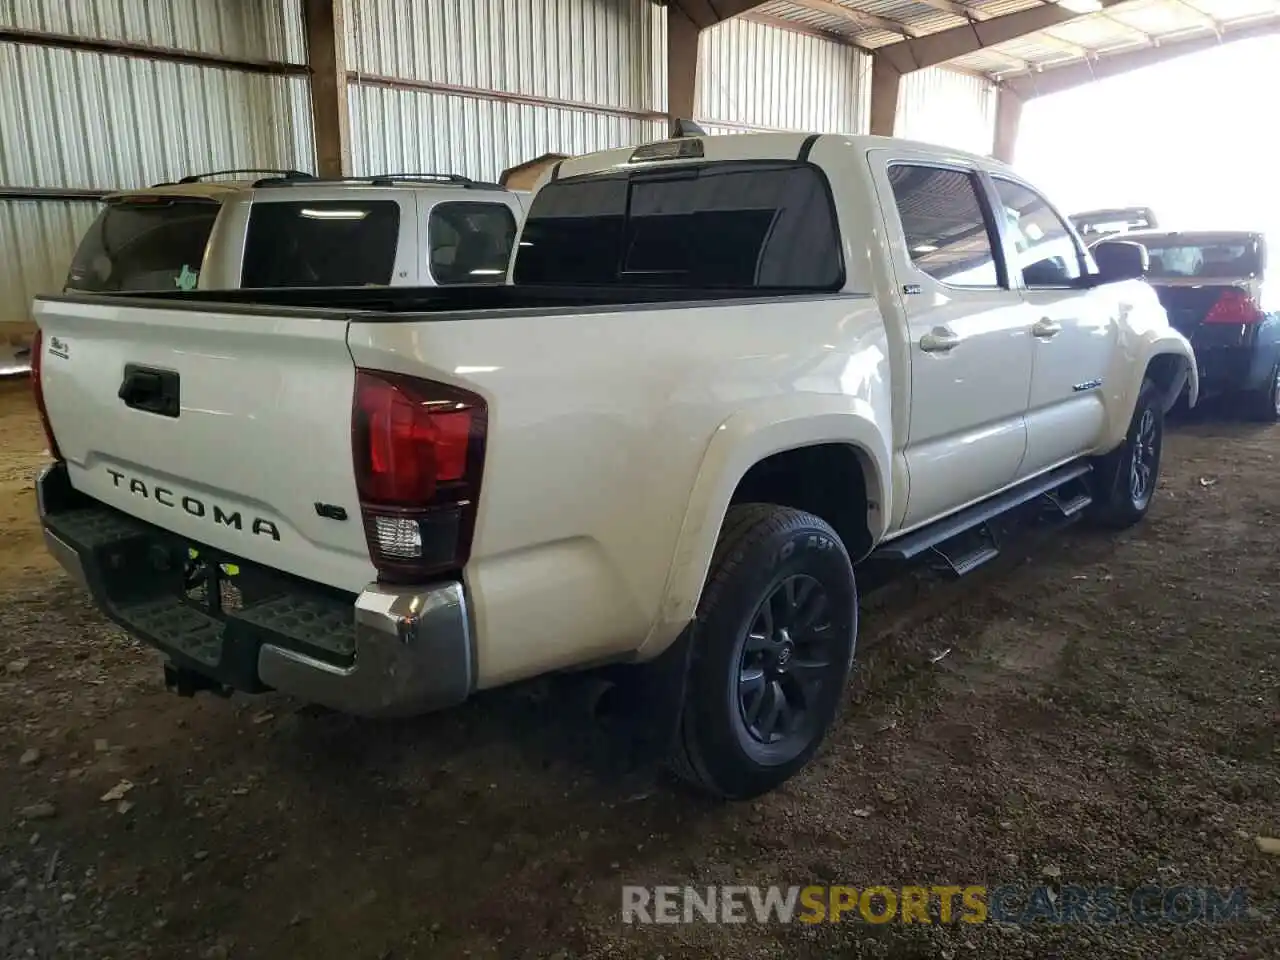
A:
738,444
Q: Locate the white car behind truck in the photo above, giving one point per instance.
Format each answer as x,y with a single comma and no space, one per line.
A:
726,370
285,228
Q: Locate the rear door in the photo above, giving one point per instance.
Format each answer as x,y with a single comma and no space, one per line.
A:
258,438
970,345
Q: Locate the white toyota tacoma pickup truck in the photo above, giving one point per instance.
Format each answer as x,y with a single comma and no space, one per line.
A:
724,372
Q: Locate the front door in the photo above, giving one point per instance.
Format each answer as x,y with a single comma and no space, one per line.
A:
1073,330
970,349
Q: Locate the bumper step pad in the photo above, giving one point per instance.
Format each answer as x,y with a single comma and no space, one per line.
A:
136,574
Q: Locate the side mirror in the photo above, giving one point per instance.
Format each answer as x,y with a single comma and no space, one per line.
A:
1120,260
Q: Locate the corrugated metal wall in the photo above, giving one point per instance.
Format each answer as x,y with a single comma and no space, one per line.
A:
75,119
100,121
250,29
947,107
37,238
752,76
501,82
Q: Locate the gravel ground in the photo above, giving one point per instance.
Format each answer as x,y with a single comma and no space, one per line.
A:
1087,710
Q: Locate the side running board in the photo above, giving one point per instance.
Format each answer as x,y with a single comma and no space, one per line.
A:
964,540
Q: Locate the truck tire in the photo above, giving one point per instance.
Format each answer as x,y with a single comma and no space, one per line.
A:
1263,404
773,647
1126,478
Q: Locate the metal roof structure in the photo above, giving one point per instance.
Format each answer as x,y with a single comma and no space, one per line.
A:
1006,39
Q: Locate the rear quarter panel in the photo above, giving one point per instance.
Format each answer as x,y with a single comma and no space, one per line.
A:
601,429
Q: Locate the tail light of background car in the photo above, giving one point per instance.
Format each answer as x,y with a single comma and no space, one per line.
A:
419,453
1234,306
37,386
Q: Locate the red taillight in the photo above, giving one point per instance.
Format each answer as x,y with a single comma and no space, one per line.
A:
1233,307
37,387
419,452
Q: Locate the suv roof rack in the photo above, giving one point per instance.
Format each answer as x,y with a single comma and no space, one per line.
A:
388,180
197,177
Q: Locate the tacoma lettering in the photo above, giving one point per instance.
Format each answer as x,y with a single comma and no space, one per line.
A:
258,526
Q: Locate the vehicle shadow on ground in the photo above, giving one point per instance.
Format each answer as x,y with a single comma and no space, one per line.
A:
562,732
1212,415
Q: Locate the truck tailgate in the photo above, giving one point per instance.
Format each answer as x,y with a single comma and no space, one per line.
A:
230,429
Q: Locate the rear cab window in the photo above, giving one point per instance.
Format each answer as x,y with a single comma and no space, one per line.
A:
144,243
321,243
722,225
470,242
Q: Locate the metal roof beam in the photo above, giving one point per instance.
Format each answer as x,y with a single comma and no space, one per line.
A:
1056,79
858,17
707,13
935,48
1200,15
955,9
1062,44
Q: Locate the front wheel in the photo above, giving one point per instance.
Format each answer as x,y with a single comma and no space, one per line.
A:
1125,479
773,650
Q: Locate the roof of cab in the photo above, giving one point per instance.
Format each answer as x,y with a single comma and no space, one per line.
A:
762,146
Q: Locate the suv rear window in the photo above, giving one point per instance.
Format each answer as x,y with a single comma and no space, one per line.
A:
145,243
321,243
1219,258
732,225
471,242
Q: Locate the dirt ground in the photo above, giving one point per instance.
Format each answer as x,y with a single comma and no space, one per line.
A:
1091,709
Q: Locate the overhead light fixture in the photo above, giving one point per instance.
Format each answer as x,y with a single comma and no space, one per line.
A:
312,214
487,272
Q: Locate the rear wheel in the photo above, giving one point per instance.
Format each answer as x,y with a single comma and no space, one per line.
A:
1126,478
773,649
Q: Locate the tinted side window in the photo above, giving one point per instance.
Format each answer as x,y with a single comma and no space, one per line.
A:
1047,253
945,227
321,243
733,225
470,242
145,244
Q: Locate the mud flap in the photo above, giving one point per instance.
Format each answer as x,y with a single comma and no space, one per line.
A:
650,699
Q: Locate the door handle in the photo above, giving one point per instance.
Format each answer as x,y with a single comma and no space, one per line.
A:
150,390
1046,328
939,340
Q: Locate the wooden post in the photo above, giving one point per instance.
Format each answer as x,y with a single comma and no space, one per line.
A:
885,80
1008,118
325,24
682,64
